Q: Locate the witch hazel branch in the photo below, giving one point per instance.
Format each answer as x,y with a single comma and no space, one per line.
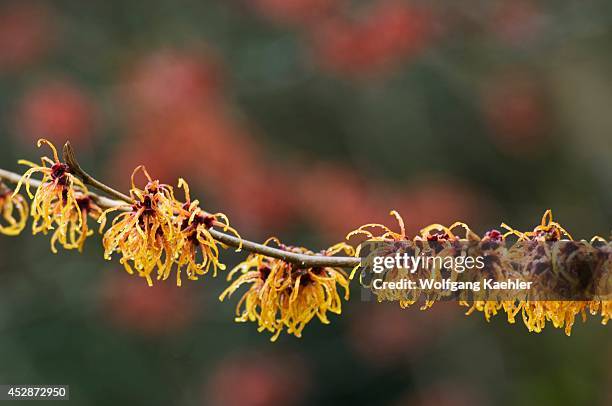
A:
160,232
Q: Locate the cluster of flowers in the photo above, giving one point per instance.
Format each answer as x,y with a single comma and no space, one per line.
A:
155,233
282,294
532,257
356,39
158,231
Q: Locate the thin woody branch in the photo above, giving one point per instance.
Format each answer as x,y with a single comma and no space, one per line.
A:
101,201
120,199
304,261
87,179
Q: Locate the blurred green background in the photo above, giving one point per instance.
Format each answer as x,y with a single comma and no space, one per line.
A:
305,119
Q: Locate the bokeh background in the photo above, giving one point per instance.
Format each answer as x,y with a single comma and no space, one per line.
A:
304,119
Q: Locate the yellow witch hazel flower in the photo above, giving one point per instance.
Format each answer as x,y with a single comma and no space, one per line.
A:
283,295
144,234
194,225
399,243
314,291
60,203
561,313
529,259
535,313
13,212
492,246
259,302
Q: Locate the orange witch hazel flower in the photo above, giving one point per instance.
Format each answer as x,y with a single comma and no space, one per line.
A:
283,295
194,225
60,203
144,234
13,212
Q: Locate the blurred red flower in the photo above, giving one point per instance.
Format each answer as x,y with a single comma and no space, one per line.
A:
260,198
26,33
387,33
336,200
169,80
517,22
128,303
395,28
439,199
515,109
254,379
57,110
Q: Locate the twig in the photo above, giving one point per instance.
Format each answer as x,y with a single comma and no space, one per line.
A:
120,199
101,201
304,261
76,169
